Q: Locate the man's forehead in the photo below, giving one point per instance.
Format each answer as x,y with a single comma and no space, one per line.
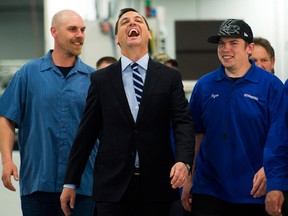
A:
131,14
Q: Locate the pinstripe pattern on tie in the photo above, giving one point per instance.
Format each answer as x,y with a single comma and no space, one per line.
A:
137,81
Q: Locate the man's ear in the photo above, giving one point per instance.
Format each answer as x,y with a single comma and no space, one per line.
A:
251,48
116,40
150,35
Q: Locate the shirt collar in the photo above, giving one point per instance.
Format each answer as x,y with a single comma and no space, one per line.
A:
250,75
143,62
48,63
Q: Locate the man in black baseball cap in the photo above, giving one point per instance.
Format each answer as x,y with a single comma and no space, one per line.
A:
238,113
233,28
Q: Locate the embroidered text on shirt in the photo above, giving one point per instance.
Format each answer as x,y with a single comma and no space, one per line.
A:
251,96
214,96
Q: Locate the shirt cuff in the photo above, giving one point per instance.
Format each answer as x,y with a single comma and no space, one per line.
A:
72,186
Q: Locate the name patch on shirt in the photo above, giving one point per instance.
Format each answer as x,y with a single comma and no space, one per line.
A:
251,97
214,96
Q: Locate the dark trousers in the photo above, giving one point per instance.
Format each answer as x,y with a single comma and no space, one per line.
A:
133,204
285,204
205,205
177,209
48,204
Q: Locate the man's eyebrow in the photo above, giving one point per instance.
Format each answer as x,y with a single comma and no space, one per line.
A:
123,19
137,17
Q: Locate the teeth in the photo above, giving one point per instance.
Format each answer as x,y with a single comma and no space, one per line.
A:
131,31
78,43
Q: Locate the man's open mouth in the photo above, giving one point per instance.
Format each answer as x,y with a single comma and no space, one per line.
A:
133,33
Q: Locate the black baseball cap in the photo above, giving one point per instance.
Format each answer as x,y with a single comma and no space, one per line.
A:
233,28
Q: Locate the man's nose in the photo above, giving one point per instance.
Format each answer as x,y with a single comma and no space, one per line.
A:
80,33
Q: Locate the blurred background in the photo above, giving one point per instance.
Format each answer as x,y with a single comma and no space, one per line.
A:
179,27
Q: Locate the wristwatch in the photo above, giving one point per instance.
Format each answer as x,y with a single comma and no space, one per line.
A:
189,168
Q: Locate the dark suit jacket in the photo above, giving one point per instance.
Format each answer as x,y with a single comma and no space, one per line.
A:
108,118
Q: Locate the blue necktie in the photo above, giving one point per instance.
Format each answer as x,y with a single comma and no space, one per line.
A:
138,82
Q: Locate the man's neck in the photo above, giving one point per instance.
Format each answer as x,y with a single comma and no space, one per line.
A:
63,60
134,54
234,72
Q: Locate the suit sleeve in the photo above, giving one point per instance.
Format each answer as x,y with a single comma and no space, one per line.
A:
182,123
86,137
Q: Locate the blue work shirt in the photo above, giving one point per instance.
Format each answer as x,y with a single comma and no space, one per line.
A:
243,125
47,107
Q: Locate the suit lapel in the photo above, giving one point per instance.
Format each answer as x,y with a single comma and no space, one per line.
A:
152,77
115,76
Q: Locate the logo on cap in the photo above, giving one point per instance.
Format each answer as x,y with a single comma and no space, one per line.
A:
229,28
233,28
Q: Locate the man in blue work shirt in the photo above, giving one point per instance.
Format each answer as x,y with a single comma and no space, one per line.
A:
238,114
45,100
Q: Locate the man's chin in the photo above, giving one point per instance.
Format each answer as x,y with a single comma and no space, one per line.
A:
76,52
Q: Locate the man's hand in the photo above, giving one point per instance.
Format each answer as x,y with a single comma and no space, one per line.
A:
259,184
179,174
67,199
9,169
273,202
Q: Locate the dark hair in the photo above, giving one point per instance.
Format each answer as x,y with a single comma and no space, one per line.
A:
108,59
266,44
125,10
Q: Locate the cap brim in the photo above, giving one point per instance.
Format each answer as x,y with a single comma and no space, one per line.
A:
214,39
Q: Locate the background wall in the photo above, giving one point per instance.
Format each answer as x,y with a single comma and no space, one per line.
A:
21,29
